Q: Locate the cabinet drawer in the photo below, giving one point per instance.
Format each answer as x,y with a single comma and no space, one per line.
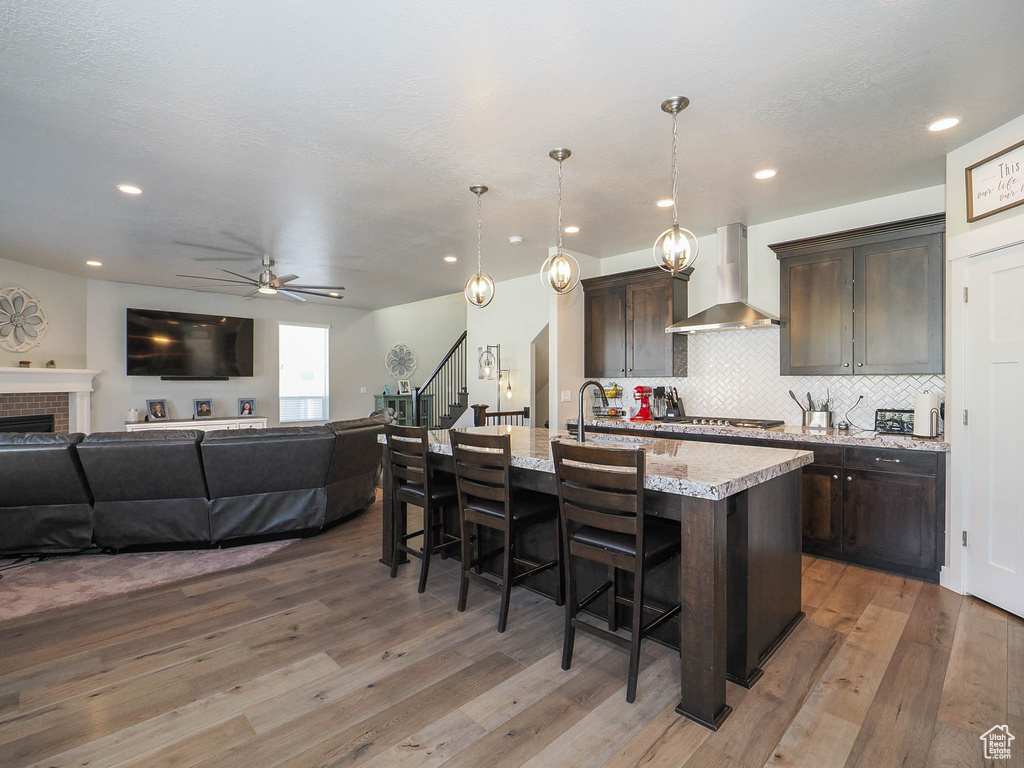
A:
892,460
826,455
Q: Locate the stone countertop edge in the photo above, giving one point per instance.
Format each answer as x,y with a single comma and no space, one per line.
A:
660,482
854,439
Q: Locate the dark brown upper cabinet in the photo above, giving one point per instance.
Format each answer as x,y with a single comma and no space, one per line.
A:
625,320
864,301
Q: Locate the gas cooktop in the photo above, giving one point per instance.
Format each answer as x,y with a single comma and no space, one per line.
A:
725,422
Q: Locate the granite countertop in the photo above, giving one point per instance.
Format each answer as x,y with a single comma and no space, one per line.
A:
689,468
853,437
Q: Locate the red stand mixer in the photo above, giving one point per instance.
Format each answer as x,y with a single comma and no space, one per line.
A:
643,396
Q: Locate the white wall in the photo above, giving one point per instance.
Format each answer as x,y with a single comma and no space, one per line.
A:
116,393
428,327
63,300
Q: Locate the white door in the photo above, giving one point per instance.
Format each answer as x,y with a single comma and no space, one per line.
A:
994,395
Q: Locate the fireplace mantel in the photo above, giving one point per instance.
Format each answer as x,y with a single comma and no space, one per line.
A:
77,382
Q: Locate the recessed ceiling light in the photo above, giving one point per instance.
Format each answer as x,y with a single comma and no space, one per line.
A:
129,189
572,230
765,173
944,124
451,259
666,203
515,240
333,293
94,263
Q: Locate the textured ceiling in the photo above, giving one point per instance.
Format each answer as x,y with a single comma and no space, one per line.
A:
342,136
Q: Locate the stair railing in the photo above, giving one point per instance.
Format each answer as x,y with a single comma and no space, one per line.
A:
442,389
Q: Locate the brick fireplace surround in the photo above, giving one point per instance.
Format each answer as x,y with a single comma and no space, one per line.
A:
38,404
64,392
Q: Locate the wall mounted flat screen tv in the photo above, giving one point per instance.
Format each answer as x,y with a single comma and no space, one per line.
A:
179,345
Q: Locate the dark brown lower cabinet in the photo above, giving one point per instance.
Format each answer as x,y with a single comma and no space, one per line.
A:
890,519
823,508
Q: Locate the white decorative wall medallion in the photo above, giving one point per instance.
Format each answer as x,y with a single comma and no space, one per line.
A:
400,361
22,320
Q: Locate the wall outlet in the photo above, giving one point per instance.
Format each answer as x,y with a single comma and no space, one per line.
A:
362,390
566,396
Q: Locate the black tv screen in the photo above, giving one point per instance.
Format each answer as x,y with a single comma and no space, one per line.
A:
178,344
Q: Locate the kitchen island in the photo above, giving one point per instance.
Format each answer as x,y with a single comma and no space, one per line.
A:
738,577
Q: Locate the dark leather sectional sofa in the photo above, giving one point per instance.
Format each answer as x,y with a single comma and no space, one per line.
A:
65,493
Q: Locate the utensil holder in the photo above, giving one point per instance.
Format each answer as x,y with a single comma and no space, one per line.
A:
817,419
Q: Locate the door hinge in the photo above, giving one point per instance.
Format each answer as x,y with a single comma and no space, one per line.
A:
965,294
963,538
965,417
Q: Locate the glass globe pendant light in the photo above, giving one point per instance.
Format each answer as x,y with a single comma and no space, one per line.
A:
561,271
480,287
676,247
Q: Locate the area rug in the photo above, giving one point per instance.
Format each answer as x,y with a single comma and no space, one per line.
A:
64,581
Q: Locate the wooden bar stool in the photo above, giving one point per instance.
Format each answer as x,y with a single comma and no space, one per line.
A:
486,498
413,482
601,510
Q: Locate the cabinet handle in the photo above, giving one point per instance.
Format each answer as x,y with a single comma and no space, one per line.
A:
835,477
860,365
888,461
846,365
622,370
630,370
849,479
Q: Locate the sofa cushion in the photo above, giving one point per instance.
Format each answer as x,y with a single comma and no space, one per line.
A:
144,466
41,468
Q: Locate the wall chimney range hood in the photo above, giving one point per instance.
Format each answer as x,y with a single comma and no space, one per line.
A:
732,312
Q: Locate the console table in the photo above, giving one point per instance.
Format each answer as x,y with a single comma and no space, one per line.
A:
241,422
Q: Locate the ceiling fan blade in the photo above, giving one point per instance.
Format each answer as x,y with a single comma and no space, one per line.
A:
219,279
255,246
217,248
222,258
320,287
290,295
314,293
244,277
282,279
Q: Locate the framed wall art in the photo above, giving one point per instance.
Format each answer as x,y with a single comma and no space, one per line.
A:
996,183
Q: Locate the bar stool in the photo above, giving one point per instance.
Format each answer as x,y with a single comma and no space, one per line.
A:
601,510
413,482
486,498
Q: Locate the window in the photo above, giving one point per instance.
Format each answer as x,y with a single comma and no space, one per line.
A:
303,354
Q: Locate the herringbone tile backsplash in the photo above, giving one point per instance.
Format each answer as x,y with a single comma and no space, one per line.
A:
736,373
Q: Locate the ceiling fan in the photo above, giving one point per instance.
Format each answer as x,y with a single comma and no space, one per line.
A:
270,284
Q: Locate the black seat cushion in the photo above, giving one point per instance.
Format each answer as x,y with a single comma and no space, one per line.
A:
527,506
442,490
661,539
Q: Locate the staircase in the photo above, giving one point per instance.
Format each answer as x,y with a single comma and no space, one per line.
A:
447,388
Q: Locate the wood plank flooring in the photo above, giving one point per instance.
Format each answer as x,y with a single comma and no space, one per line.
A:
314,657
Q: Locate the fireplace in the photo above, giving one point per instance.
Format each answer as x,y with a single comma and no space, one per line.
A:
34,406
64,393
36,423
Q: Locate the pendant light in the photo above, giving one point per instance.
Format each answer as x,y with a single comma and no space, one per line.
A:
561,271
480,287
676,247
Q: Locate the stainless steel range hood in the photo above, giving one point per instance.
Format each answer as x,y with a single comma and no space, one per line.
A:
732,312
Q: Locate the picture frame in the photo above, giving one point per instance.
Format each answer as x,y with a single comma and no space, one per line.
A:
202,408
996,183
404,388
156,410
246,406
